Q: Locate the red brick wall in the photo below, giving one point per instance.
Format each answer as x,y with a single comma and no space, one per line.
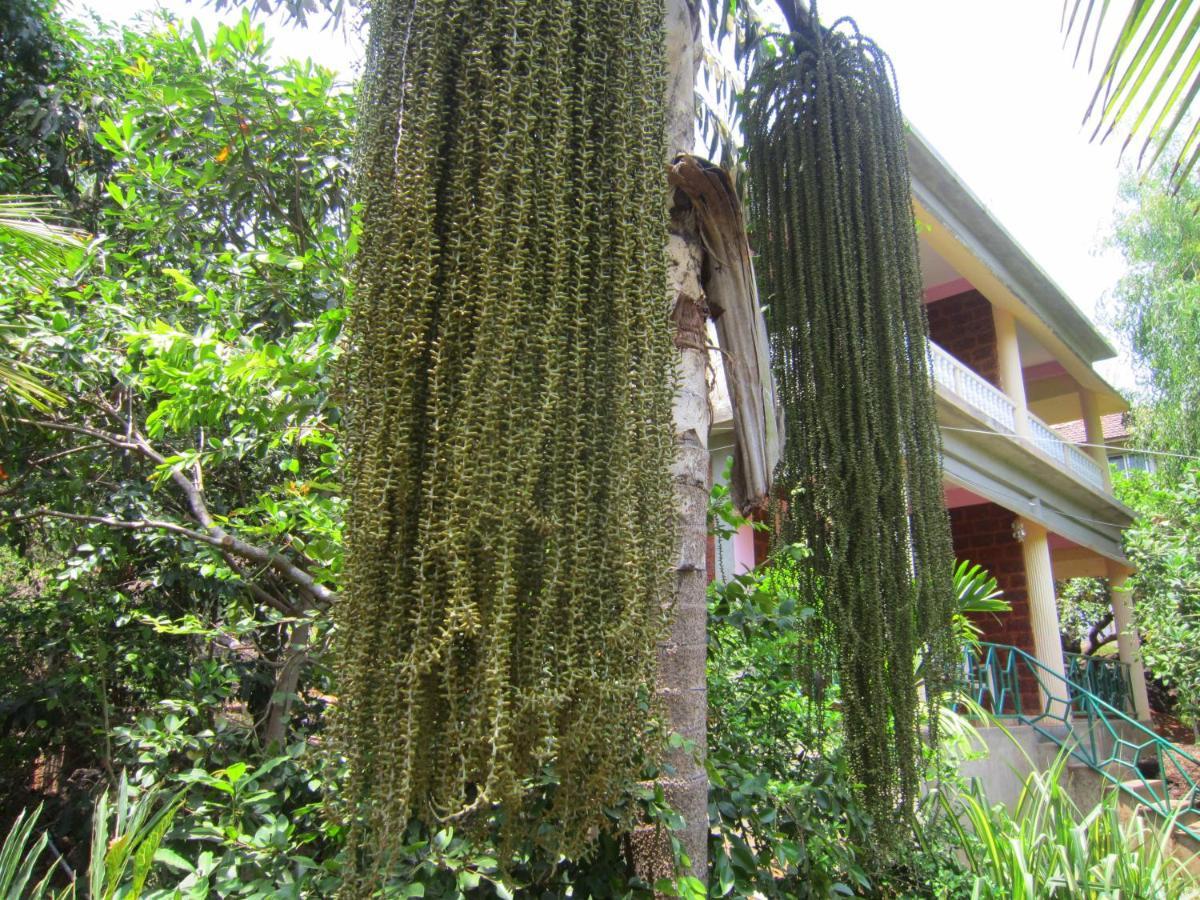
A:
983,534
962,325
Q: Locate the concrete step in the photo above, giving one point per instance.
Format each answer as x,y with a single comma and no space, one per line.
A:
1055,733
1148,792
1048,750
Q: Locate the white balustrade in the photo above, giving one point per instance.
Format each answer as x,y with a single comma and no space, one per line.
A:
1081,463
1047,441
980,395
1075,459
973,390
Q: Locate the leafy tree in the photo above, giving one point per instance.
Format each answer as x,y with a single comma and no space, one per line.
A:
1157,306
44,145
1164,545
172,532
1084,612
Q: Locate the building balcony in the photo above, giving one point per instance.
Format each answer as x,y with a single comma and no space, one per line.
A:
1000,414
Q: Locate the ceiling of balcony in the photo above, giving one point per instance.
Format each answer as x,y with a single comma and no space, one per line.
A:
935,271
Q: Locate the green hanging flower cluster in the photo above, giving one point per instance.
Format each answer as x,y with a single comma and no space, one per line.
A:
508,397
861,470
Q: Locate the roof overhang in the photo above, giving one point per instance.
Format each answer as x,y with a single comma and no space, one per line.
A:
962,230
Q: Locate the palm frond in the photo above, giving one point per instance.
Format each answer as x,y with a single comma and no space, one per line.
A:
24,382
39,249
1149,79
32,241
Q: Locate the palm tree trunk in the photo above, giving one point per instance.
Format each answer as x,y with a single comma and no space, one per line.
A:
681,680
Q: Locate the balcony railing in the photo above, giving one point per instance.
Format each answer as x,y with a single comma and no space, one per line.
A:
983,397
1065,454
975,391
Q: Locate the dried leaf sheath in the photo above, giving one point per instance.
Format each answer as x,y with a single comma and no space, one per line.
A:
509,384
832,217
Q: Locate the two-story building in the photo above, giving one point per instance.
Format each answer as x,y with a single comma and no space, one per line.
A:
1011,357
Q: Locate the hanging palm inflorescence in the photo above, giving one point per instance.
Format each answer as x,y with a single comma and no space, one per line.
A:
508,395
832,218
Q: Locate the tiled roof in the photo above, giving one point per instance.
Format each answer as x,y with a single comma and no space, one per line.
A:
1114,426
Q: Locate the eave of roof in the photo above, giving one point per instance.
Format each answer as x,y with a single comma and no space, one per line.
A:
940,191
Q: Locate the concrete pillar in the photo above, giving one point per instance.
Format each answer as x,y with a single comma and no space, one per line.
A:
1095,434
1129,643
1012,377
1043,615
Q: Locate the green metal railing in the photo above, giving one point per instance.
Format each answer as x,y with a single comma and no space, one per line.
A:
991,679
1097,733
1105,677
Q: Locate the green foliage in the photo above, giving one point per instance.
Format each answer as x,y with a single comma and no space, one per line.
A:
832,218
1048,848
127,833
123,851
1157,308
976,592
195,345
509,382
785,819
20,855
44,142
1164,547
1084,610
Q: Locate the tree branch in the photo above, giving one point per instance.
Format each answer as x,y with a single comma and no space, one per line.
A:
135,441
114,440
1098,626
796,13
41,461
322,595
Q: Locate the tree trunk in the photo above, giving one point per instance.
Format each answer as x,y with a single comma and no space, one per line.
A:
286,682
681,680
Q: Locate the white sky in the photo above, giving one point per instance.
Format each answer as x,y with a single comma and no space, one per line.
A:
991,87
987,83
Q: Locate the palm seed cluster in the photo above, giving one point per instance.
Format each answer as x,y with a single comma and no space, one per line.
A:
508,396
833,221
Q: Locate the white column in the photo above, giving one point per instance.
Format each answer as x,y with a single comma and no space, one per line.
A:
1095,434
1129,643
1043,614
1012,377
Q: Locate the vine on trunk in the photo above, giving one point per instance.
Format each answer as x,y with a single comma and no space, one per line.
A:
861,469
508,396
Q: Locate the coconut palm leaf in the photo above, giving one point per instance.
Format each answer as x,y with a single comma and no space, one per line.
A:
40,248
1149,78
